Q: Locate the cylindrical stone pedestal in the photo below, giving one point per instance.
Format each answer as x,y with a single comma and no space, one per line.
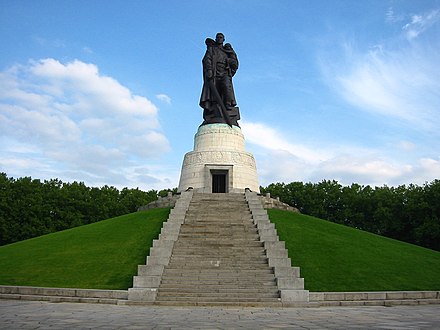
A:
219,162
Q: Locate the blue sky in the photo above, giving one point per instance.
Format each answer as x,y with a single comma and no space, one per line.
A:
107,92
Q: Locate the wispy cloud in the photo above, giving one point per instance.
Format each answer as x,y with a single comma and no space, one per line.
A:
392,17
87,50
76,120
164,98
55,43
414,24
420,23
401,84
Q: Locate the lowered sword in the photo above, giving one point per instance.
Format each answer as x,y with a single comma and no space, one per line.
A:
219,100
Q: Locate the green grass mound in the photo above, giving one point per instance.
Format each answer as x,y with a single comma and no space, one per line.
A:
333,257
105,255
102,255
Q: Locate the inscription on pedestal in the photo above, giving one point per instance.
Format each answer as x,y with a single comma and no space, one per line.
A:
226,157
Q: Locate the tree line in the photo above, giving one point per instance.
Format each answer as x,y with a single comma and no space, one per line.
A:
30,207
409,213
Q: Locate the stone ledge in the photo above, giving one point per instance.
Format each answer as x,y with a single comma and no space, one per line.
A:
373,295
161,202
62,292
373,298
316,299
275,203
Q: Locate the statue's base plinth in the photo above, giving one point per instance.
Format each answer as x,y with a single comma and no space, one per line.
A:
219,162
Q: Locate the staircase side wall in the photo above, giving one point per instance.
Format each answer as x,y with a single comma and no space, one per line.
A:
289,282
146,283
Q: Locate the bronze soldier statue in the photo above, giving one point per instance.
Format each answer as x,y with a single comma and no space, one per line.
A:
218,98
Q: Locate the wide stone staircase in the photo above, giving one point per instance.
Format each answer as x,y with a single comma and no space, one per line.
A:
216,249
218,256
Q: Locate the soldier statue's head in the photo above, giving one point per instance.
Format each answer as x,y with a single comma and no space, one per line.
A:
219,38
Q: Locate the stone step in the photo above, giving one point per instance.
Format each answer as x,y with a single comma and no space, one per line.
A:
227,206
210,247
217,299
209,255
214,274
257,258
220,255
219,222
268,291
200,239
227,294
217,284
221,211
220,231
217,262
212,202
205,221
217,233
218,217
215,204
215,252
217,289
221,243
258,268
226,278
238,304
218,272
243,236
216,247
214,196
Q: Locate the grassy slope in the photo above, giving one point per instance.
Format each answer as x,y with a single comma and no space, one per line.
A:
338,258
103,255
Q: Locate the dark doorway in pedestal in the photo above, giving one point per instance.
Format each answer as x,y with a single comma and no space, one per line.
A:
219,181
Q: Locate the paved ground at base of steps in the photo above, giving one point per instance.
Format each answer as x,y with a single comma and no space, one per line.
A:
43,315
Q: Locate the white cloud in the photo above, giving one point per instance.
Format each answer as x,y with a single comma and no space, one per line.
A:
269,138
76,119
281,161
164,98
425,169
360,169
